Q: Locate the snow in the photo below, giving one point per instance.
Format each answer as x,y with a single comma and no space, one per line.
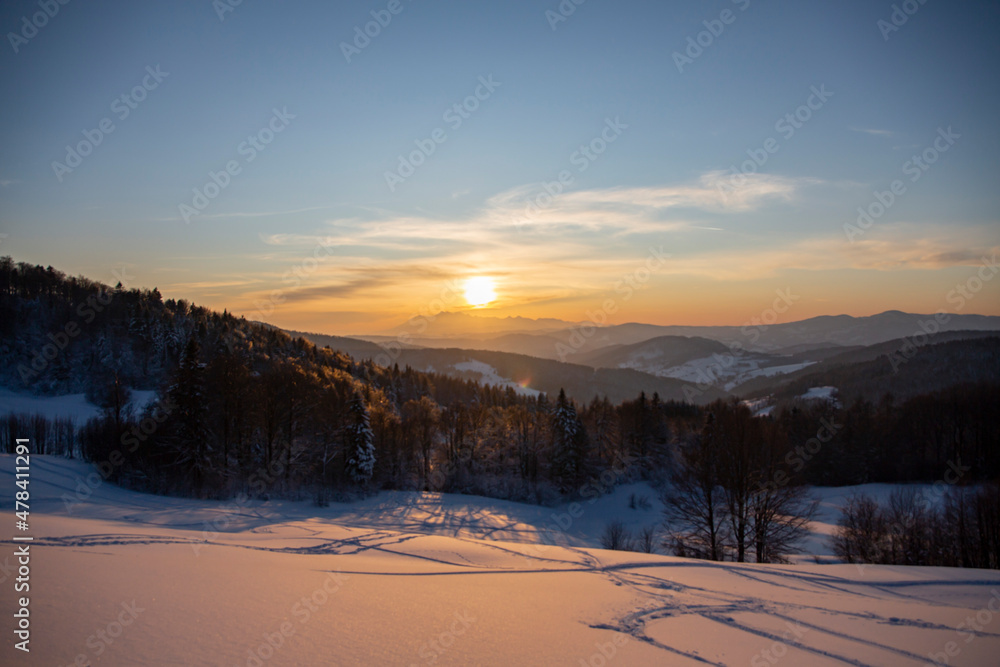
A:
821,394
124,578
489,375
760,407
725,370
832,499
771,371
73,406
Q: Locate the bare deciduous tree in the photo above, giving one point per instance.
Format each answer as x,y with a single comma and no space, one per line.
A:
693,504
617,537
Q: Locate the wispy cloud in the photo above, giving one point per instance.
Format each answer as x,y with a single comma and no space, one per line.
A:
641,209
874,132
348,283
264,214
715,191
338,291
911,246
537,244
896,247
244,214
554,250
203,285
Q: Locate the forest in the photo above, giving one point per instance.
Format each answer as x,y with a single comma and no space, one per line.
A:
242,408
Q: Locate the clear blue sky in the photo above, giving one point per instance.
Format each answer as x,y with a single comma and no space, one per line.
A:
389,252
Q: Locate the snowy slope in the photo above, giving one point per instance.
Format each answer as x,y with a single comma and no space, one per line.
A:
73,406
122,578
726,371
488,375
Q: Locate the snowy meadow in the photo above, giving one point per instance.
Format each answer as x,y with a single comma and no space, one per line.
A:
125,578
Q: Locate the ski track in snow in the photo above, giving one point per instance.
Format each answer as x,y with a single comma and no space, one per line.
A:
664,610
715,605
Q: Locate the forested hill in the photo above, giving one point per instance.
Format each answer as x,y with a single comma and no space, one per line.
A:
61,334
244,407
896,368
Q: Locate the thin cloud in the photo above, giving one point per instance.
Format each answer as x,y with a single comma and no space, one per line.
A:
264,214
520,228
339,291
345,282
896,250
241,214
538,244
874,132
206,285
713,192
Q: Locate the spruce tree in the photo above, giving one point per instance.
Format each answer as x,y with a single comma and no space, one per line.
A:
569,445
360,442
189,415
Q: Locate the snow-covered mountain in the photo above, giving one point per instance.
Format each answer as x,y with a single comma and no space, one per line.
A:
696,361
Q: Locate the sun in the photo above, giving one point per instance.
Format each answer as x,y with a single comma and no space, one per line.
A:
480,291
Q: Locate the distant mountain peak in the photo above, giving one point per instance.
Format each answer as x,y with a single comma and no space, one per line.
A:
452,323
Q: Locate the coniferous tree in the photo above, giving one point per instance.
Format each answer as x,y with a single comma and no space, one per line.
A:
360,442
421,421
230,380
190,416
569,445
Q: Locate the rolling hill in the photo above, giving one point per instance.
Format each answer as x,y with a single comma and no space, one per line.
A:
892,368
672,365
476,332
524,373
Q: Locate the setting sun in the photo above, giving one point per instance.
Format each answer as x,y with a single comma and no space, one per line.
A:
479,291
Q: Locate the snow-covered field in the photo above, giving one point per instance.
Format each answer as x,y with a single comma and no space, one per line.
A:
483,373
725,371
73,406
763,406
123,578
820,394
489,375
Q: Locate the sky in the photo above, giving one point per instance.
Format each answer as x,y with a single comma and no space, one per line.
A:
690,162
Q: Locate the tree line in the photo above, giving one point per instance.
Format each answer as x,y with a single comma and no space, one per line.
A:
243,408
951,526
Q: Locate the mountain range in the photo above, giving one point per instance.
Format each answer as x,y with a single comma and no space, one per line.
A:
559,339
694,363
